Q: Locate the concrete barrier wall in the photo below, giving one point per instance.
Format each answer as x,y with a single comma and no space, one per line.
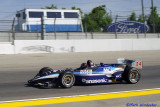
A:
6,48
83,45
89,45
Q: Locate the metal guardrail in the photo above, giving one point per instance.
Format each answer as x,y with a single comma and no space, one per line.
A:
8,36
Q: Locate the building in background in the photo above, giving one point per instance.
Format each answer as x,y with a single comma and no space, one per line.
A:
29,20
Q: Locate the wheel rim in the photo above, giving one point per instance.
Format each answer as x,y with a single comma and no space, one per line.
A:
67,80
134,76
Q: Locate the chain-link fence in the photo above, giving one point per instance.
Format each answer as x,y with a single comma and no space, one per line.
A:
10,30
6,25
8,36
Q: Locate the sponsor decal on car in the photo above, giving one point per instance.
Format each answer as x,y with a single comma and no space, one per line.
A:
95,81
119,76
107,69
88,71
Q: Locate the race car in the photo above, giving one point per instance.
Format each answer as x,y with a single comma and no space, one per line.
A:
90,73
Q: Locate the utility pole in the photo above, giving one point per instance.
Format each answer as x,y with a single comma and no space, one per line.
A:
143,18
110,12
153,21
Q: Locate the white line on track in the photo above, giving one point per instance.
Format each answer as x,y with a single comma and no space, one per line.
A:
77,95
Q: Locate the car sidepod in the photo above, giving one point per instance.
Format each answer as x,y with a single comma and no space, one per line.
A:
102,74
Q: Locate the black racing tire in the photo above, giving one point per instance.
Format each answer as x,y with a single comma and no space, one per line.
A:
66,79
131,75
44,70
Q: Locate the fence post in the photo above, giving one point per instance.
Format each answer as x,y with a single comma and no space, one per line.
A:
116,27
13,31
86,27
43,28
86,34
37,32
144,30
91,35
67,35
137,36
55,27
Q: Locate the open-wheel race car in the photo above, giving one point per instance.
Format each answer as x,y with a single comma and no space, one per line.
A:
90,73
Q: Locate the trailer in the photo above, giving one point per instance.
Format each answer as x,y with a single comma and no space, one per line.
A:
30,20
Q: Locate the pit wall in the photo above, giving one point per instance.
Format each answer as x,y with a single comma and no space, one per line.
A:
87,45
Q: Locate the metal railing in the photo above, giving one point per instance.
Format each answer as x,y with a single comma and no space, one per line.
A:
9,33
8,36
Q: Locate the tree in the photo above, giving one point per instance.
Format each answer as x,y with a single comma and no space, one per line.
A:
97,19
156,19
75,8
51,7
63,8
140,19
90,24
132,17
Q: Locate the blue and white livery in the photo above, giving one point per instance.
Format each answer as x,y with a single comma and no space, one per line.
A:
90,73
55,20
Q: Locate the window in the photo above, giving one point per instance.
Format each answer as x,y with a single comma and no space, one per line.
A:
18,15
35,14
70,15
53,14
24,15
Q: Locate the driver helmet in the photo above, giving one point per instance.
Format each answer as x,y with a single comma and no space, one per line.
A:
90,63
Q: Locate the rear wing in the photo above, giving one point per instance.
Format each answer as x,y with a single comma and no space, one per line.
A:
132,63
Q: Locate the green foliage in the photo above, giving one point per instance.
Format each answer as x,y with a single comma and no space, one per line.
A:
74,8
157,20
64,8
132,17
50,7
97,19
140,19
90,24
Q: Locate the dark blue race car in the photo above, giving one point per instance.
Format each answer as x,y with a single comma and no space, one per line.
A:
89,73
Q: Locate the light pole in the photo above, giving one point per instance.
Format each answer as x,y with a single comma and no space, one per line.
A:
109,11
153,21
143,17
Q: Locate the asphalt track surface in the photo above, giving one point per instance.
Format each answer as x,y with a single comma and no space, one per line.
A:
16,70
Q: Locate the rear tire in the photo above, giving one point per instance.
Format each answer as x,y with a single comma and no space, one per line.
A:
66,79
132,75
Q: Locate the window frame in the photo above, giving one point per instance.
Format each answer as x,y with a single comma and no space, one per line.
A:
75,17
30,16
59,14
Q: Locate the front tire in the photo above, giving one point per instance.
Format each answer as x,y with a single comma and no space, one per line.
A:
66,79
132,75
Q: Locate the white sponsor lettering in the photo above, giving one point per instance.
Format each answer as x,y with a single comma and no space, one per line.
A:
107,69
86,71
123,28
118,76
95,81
